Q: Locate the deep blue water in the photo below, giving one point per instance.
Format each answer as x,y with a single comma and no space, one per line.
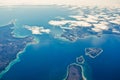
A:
49,59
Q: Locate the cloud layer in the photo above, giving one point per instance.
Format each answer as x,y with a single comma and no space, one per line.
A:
63,2
92,21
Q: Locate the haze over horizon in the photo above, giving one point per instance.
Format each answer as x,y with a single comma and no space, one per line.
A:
100,3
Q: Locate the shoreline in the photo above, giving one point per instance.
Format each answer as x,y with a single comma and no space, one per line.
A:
17,59
84,78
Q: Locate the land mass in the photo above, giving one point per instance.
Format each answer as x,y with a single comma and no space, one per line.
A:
80,60
10,46
93,52
75,72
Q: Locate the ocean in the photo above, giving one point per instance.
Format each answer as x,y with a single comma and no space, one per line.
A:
48,60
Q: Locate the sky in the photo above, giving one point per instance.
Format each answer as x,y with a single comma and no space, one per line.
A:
112,3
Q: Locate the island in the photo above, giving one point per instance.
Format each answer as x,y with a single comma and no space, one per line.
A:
80,60
93,52
10,45
77,33
74,72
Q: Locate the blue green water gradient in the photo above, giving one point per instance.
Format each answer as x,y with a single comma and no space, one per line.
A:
48,60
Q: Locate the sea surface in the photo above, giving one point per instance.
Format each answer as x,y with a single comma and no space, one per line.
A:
48,60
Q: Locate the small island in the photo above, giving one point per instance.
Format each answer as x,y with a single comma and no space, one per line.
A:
74,72
80,60
93,52
10,46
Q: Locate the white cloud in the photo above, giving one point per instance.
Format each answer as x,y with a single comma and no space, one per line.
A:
37,29
96,29
116,21
100,27
115,31
58,23
72,23
89,18
97,17
78,17
80,24
110,3
96,20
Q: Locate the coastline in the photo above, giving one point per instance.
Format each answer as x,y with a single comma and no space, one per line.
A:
17,59
84,78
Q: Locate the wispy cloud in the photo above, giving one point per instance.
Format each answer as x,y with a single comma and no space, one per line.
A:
62,2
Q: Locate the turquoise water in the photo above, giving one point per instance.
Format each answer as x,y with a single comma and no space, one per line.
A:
49,59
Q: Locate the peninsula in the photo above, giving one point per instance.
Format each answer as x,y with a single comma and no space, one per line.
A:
10,46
